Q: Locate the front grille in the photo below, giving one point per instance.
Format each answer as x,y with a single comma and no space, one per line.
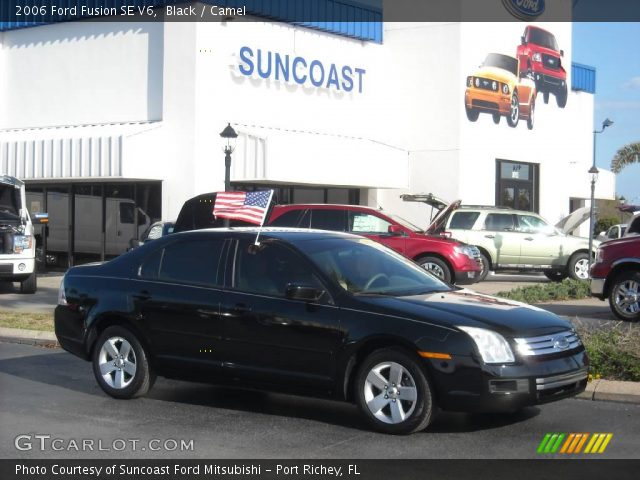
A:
548,344
486,84
550,61
563,380
6,268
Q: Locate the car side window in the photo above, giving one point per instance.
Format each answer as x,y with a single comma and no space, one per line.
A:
531,224
126,213
613,232
463,220
324,219
360,222
269,268
150,267
499,222
288,219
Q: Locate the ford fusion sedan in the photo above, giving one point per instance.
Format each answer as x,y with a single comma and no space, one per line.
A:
499,89
312,312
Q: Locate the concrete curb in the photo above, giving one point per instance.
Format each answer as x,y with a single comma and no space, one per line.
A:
597,390
28,337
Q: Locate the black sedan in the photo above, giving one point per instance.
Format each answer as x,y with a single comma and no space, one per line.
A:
316,313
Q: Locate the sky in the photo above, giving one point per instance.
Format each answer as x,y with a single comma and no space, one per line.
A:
613,49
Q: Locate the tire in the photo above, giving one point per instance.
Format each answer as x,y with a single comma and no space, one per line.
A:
436,267
486,266
555,275
545,97
578,267
133,377
496,118
561,97
624,297
30,284
514,111
404,410
472,114
532,112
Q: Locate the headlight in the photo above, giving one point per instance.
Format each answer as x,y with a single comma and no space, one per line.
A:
62,297
537,57
22,242
492,346
469,81
494,86
505,89
477,82
464,250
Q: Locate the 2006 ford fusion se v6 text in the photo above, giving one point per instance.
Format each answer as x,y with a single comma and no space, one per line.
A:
317,313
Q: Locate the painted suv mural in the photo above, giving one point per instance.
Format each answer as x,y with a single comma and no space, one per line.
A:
497,88
539,55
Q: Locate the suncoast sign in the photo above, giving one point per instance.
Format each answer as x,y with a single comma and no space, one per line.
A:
295,69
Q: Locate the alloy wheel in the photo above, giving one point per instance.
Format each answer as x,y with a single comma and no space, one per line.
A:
117,362
627,297
390,392
434,269
581,268
515,109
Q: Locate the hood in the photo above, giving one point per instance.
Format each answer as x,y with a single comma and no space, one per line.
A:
495,73
444,208
574,220
467,308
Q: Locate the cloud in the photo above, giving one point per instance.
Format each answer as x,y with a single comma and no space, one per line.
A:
633,84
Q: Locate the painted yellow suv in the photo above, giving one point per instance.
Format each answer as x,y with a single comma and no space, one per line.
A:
497,88
514,239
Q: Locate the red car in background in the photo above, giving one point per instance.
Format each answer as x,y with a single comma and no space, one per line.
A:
450,260
539,54
616,275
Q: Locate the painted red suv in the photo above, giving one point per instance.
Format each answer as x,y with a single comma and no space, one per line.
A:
452,261
539,54
616,275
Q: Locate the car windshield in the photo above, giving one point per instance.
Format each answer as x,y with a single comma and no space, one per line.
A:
9,202
406,224
364,267
502,61
542,38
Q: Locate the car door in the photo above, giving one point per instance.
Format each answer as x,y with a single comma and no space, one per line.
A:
176,296
376,228
270,337
498,236
542,245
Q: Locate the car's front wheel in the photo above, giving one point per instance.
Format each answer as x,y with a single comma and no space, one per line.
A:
579,266
514,111
561,97
436,267
486,266
120,364
30,284
393,393
624,298
472,114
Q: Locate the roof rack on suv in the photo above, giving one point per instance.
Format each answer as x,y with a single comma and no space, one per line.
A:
495,207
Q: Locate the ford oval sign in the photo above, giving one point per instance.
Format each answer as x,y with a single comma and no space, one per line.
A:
525,9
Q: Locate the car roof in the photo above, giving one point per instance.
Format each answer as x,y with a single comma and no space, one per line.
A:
282,233
488,208
325,206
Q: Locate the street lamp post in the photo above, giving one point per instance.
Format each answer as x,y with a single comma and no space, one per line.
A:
593,173
230,135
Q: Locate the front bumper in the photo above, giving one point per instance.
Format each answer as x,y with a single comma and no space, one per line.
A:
466,277
597,287
550,83
487,101
466,385
16,266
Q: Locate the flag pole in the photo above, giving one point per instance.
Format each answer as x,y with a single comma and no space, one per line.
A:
264,217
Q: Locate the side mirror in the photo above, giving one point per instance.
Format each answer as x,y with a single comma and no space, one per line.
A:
395,230
40,218
135,243
562,53
306,293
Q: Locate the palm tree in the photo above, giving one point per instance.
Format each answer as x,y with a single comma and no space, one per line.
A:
625,156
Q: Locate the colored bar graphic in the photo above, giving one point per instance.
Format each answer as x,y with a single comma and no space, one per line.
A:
556,443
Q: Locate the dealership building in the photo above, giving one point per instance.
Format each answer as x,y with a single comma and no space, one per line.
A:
113,123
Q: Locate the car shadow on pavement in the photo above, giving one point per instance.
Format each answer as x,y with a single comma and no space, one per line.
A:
75,374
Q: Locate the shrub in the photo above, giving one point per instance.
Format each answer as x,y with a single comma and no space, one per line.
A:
605,223
614,352
547,292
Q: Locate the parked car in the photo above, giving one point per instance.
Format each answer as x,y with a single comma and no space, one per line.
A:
155,231
497,88
634,226
616,275
513,239
539,55
313,312
615,231
447,259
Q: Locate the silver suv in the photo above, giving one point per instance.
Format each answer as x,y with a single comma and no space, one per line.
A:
514,240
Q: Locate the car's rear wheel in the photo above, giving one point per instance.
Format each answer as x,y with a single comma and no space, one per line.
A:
624,298
514,111
120,364
436,267
472,114
555,275
578,267
393,393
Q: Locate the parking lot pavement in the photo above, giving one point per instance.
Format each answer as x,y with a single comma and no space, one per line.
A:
53,393
43,301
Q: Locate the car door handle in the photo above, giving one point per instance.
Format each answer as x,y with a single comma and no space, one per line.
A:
489,236
143,296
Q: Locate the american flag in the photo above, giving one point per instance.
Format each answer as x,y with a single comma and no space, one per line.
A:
247,206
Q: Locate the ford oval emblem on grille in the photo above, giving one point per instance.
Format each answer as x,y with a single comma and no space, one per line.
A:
560,343
525,9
